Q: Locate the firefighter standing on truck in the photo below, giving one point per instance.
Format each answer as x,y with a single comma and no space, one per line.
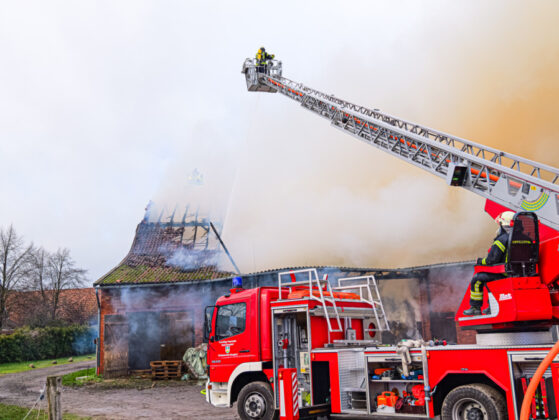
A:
497,255
262,58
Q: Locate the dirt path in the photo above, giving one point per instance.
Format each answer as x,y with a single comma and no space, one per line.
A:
23,388
180,401
166,400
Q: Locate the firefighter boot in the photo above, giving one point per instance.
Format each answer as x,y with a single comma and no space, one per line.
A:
486,311
474,310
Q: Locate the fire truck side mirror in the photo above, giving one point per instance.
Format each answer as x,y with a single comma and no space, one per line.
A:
208,317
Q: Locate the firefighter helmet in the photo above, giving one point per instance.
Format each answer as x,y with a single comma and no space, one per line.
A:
505,219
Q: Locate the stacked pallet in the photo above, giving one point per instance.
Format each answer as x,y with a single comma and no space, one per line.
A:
166,369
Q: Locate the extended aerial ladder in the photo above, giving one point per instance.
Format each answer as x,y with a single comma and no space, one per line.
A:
511,181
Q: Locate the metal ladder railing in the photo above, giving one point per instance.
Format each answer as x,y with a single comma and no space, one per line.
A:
367,288
512,181
325,293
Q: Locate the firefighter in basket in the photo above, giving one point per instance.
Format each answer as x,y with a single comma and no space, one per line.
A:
497,255
262,58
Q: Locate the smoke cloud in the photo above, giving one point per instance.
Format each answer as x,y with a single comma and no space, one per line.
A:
292,191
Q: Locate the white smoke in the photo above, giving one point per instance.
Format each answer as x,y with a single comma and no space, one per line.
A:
305,194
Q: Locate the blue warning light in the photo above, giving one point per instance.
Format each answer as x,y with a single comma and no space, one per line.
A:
237,282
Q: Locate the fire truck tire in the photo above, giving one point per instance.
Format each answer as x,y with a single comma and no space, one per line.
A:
474,401
256,402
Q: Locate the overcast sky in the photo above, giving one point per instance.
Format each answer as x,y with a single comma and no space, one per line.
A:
103,106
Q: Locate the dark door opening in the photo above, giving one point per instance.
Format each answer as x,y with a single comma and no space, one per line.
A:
159,336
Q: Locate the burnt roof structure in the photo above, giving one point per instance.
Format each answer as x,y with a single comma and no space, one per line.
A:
169,252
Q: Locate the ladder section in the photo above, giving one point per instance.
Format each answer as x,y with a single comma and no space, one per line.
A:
512,181
322,288
367,289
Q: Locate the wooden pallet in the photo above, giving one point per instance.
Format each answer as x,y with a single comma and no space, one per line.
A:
166,369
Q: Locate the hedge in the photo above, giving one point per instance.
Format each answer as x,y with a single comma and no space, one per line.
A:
46,343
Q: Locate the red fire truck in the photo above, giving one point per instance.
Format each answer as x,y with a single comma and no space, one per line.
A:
307,349
315,342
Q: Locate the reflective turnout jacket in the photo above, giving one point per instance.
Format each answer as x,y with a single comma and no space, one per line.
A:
263,57
498,251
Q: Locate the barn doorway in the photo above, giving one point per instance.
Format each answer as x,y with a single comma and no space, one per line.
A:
115,339
158,336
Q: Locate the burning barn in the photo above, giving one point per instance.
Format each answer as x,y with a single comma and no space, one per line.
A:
151,306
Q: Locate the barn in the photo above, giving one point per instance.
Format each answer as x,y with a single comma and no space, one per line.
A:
151,305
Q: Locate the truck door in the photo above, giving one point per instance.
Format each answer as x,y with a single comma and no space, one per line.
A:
234,341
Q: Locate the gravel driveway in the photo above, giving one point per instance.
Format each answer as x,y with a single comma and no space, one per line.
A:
166,400
179,401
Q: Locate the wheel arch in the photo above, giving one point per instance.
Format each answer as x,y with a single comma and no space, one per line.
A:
248,368
244,379
454,380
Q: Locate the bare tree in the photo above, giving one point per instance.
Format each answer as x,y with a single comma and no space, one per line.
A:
38,271
14,265
61,273
39,310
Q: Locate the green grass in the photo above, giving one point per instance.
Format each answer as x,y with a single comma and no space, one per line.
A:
71,378
13,412
23,366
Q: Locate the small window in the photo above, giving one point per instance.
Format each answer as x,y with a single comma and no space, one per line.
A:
230,320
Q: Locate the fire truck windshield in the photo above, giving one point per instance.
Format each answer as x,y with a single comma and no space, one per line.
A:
230,320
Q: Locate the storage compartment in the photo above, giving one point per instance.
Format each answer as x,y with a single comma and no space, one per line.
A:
357,400
292,351
391,392
523,369
321,382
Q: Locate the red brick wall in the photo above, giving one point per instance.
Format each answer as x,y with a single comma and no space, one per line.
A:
75,306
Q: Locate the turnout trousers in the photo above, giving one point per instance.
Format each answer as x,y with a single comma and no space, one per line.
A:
478,284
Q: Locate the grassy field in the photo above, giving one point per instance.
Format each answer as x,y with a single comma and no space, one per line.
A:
13,412
88,375
23,366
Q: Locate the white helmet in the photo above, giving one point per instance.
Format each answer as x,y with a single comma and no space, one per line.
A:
505,219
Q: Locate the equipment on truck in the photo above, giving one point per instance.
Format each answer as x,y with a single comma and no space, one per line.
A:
302,348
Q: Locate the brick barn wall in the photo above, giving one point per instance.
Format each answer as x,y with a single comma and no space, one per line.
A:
125,303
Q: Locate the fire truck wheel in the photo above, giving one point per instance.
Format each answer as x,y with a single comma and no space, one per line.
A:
256,402
474,402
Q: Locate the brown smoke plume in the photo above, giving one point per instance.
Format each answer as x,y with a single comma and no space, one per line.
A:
305,194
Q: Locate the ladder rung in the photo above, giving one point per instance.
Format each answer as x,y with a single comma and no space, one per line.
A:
300,283
348,287
347,312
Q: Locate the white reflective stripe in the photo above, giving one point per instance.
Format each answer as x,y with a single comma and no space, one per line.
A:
281,398
295,390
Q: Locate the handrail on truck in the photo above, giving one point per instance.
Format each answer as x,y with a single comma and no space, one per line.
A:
364,286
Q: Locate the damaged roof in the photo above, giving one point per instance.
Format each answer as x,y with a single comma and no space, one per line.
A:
179,252
168,253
